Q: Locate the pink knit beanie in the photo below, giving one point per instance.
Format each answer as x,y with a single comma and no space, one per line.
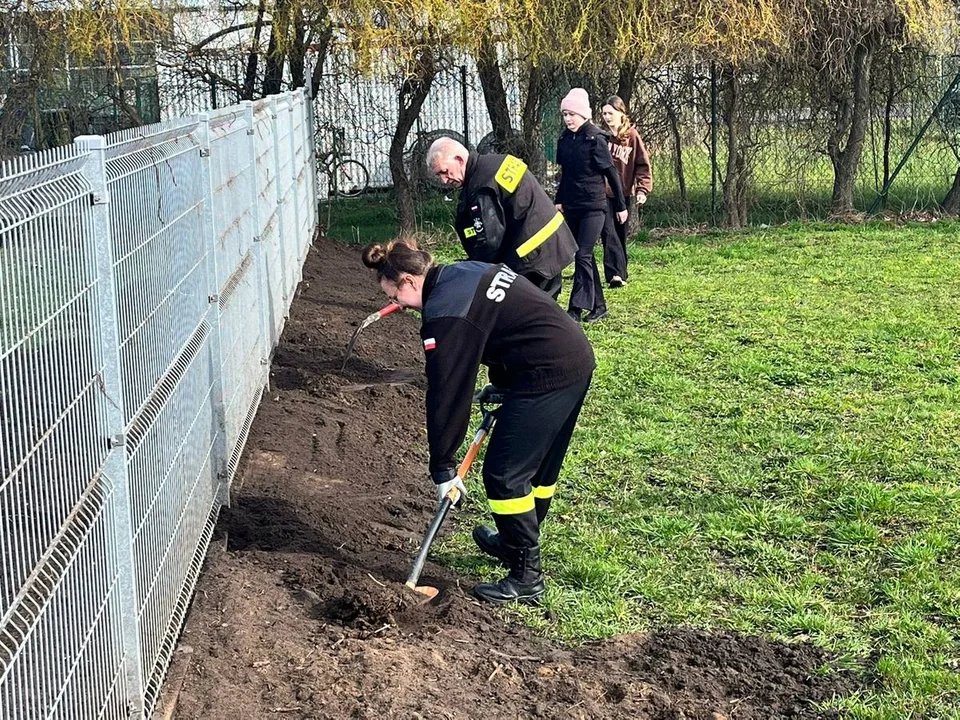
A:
577,101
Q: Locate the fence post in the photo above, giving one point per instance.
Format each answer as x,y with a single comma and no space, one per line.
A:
220,452
713,143
310,139
281,235
466,105
295,173
258,259
115,465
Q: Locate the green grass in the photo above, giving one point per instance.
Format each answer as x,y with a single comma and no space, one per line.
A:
373,217
771,445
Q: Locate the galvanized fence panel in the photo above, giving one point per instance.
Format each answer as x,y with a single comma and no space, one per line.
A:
243,347
270,230
65,586
157,195
303,164
130,266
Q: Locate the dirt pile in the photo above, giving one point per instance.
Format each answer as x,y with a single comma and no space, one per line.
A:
301,613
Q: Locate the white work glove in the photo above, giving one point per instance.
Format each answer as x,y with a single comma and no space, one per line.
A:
641,198
445,487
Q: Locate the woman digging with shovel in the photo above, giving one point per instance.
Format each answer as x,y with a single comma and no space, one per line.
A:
537,356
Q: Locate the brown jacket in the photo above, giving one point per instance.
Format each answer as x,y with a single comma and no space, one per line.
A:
632,161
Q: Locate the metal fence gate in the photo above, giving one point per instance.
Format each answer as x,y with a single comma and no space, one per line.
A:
144,280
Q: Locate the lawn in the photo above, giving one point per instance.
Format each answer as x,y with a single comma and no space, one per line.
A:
771,445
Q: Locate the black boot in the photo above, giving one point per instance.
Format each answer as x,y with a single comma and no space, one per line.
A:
488,540
524,584
598,313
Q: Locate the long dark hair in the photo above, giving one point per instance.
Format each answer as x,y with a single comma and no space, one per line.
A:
397,257
617,103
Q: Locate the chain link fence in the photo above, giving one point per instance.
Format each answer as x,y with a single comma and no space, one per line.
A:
783,127
784,137
131,267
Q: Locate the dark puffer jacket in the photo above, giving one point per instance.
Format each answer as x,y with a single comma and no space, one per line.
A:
505,216
585,162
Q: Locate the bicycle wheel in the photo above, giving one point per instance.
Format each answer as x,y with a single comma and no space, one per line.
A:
490,144
350,178
415,158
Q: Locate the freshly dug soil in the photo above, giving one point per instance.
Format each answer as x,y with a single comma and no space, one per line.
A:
301,612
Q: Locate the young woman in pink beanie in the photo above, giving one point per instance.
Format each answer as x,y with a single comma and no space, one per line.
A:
585,162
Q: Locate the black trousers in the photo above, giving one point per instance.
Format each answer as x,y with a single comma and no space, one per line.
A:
526,451
587,291
551,286
615,241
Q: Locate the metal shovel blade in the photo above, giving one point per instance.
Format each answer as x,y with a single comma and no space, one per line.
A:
367,322
428,592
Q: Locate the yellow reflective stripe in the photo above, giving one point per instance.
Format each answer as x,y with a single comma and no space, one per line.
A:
544,492
514,506
541,235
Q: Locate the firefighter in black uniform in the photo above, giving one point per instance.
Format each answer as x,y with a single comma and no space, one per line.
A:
475,313
504,215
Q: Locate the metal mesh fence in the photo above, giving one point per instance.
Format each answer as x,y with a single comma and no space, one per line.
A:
363,112
783,124
784,137
130,266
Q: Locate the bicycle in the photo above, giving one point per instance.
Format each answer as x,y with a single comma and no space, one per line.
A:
347,177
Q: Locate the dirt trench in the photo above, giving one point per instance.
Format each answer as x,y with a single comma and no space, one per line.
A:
300,610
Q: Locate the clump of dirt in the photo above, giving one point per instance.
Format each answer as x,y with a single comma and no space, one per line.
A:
301,610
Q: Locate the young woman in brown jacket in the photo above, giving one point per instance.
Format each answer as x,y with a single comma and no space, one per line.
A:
632,162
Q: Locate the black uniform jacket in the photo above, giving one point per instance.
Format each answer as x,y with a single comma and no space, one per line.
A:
585,162
477,313
505,216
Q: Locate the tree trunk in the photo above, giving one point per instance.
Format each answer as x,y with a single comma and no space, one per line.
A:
19,105
20,102
888,122
276,50
665,97
626,82
531,119
495,96
321,46
674,121
951,203
250,75
413,92
734,181
851,121
129,116
298,49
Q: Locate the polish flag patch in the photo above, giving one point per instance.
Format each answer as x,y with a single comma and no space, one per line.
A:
430,344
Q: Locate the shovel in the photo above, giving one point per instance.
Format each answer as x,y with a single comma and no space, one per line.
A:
449,500
367,322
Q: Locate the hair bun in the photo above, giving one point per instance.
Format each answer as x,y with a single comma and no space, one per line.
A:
374,256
